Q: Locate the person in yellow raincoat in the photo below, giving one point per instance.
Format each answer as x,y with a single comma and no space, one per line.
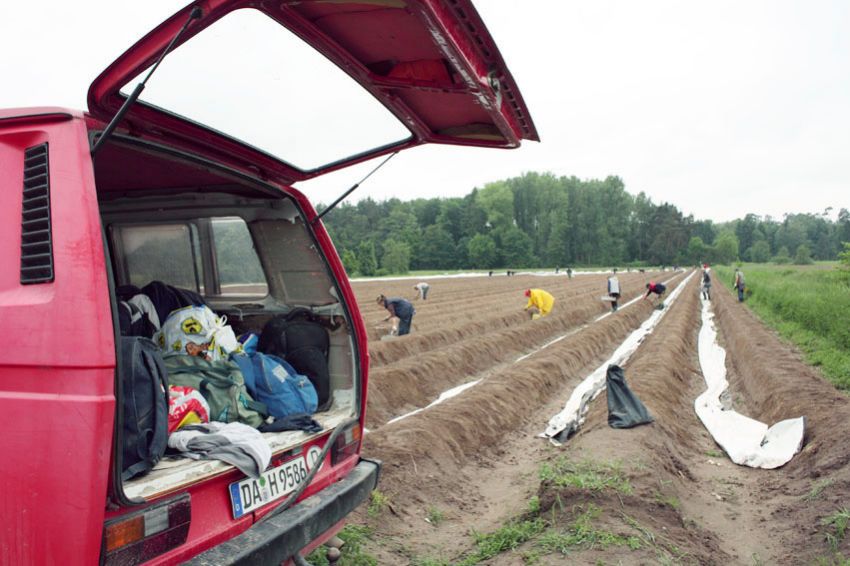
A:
539,299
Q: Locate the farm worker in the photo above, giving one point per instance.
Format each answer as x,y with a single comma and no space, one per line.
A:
400,308
422,290
706,282
539,299
614,290
739,284
653,287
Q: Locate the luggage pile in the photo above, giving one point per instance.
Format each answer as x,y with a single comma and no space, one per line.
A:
182,366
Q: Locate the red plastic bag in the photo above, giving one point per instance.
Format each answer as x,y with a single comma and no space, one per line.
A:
186,405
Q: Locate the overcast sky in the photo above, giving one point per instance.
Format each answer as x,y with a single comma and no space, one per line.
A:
721,108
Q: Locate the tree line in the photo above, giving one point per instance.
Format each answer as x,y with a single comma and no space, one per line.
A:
541,220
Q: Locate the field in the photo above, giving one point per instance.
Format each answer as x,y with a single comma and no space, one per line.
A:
808,305
468,480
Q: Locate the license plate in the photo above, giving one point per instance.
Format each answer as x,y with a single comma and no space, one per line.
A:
250,494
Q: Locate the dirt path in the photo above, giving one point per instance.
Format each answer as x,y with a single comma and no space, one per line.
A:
473,463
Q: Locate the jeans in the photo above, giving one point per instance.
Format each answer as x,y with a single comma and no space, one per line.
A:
404,325
741,294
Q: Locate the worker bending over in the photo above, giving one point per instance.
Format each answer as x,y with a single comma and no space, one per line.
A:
399,308
540,300
656,288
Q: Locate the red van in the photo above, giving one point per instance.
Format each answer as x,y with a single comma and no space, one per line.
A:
87,209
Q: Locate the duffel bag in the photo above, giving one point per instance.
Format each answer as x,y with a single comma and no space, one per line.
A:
222,385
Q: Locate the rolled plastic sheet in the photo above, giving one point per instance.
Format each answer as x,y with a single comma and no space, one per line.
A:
566,422
746,441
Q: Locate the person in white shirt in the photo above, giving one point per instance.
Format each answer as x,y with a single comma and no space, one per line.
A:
422,290
614,290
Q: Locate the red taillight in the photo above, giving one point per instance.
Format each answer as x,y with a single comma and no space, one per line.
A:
346,444
142,535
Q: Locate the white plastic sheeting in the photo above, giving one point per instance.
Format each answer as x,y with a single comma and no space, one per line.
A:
448,394
454,391
577,330
748,442
562,425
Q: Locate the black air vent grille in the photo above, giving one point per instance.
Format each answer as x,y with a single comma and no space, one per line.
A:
36,239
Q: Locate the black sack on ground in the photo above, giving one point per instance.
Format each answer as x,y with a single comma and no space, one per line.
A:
624,409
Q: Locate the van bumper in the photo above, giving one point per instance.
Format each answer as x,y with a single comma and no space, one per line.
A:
278,538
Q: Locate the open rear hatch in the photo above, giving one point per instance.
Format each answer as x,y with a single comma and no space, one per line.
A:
419,71
431,64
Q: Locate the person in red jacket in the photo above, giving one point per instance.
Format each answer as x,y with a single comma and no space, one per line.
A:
653,287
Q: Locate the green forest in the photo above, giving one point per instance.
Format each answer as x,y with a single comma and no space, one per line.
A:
541,220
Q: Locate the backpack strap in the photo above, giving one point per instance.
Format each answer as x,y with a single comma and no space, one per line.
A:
307,314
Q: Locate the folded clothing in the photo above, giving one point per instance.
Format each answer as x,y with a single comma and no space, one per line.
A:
235,443
298,421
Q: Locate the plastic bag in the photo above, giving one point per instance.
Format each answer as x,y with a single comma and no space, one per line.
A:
199,326
186,405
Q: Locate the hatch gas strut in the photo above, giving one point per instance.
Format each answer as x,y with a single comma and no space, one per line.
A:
195,14
351,190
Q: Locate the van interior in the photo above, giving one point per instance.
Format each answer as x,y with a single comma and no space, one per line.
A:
243,246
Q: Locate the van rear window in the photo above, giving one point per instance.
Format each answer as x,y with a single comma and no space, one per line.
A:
211,256
249,77
239,270
164,252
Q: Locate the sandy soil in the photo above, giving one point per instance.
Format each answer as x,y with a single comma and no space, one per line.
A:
475,458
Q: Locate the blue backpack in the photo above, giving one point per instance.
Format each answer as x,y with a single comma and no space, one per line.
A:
275,383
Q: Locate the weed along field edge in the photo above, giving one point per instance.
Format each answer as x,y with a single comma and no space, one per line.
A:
469,480
807,305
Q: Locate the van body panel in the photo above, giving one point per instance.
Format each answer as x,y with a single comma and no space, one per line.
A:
57,400
273,541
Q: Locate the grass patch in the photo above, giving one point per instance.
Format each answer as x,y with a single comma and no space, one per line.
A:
435,516
836,525
817,490
546,536
534,505
508,537
714,453
806,305
352,551
592,476
378,502
665,551
668,500
835,560
582,534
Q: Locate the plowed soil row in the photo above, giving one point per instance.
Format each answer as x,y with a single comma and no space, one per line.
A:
452,312
415,381
475,458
